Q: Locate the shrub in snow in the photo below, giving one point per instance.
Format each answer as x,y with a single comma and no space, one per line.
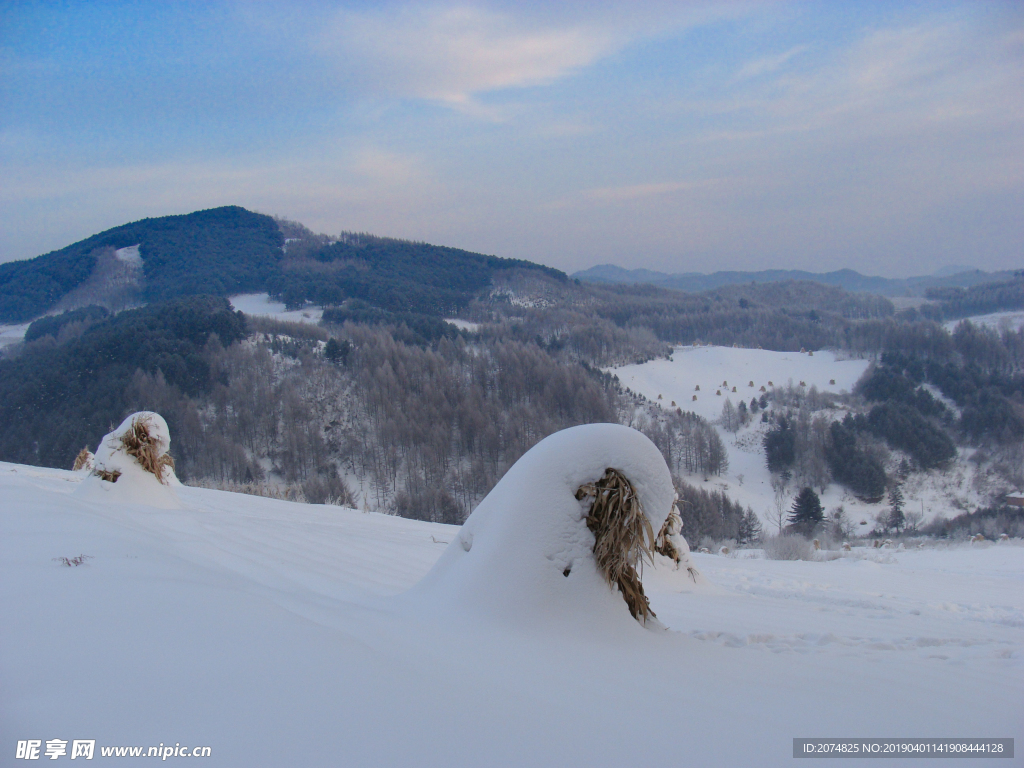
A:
84,461
141,442
133,463
787,547
565,529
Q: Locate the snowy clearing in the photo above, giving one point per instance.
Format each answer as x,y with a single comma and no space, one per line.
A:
129,255
277,634
720,369
463,325
1012,320
747,479
12,334
260,304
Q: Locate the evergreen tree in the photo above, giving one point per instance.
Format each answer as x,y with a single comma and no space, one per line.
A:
806,512
897,521
780,446
749,527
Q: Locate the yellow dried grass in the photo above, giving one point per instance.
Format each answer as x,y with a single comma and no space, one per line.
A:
623,537
664,545
83,459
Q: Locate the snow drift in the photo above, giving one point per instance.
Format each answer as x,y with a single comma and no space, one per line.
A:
132,464
526,554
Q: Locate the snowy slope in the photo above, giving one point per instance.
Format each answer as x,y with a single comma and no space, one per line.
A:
708,367
747,480
12,334
1011,320
276,634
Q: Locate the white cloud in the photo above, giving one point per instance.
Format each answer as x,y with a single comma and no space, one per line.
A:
452,54
768,64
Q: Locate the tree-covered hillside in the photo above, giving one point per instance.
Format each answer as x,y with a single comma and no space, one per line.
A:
396,275
55,398
219,251
229,250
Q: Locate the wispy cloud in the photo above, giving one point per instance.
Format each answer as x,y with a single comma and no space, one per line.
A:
768,64
453,54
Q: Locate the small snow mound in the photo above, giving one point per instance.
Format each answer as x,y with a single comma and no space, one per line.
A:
132,464
526,554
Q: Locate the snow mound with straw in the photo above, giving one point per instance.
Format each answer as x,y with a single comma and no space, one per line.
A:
132,464
526,556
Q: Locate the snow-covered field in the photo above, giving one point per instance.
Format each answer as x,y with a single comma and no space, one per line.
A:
747,480
261,304
720,369
277,634
1012,320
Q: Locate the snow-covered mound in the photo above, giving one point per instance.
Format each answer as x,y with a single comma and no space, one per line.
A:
132,464
526,555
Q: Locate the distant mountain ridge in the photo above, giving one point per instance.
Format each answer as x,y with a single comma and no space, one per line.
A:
847,279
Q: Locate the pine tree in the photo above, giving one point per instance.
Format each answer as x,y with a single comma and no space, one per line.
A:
806,512
897,521
749,527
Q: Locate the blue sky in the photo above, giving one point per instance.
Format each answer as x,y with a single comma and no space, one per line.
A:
885,137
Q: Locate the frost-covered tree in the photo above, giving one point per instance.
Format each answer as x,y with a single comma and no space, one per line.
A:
730,418
897,520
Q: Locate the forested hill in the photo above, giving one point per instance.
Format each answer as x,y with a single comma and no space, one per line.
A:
218,251
396,275
229,250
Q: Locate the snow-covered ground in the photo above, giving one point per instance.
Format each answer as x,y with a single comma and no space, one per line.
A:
463,325
1012,320
262,305
276,633
747,479
949,492
720,369
12,334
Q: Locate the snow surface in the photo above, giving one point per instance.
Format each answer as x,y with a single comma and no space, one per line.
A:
129,255
12,334
463,325
708,367
525,556
261,304
277,634
747,479
1012,320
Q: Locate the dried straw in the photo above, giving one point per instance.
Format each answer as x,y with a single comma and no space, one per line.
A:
623,537
142,446
664,545
83,460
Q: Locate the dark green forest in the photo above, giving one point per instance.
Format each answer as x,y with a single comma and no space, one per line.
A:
394,275
219,252
229,250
